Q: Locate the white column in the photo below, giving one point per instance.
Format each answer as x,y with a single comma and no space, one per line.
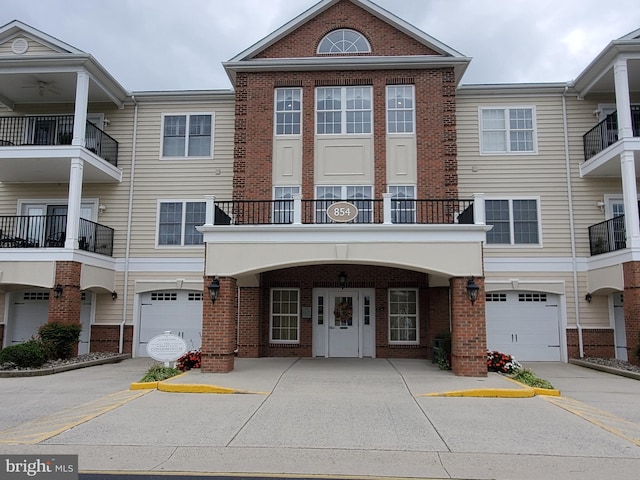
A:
297,209
386,205
623,101
74,202
630,193
80,114
479,215
210,210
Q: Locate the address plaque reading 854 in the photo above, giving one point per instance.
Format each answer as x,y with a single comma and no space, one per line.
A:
342,212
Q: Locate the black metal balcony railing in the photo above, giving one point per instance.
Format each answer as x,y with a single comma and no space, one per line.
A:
607,236
606,133
55,130
409,211
44,231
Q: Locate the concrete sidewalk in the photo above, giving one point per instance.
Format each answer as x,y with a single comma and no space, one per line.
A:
353,417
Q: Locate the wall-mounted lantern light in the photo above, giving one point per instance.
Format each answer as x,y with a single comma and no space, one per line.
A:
588,297
342,279
57,291
472,290
114,295
214,289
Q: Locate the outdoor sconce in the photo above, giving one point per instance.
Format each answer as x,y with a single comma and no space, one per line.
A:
342,279
114,295
57,291
214,289
472,290
588,297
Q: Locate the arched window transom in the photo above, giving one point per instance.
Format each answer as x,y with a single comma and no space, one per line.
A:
344,41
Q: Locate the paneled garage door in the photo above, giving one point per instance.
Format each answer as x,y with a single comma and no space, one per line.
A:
177,310
524,324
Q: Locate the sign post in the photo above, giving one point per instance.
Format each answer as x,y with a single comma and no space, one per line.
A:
166,347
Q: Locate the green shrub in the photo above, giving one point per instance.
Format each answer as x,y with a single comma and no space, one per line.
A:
158,373
29,354
58,339
527,377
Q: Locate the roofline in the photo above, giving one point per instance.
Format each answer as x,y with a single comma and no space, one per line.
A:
367,5
149,96
515,88
42,36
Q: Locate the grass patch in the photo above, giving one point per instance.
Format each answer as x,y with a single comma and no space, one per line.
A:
527,377
158,373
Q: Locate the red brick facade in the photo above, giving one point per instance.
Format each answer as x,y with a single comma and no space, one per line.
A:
219,327
597,342
631,271
468,330
106,338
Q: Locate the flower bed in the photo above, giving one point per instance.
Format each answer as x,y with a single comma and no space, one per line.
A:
189,360
502,362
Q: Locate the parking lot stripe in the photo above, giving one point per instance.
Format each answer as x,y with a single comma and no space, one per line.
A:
40,429
618,426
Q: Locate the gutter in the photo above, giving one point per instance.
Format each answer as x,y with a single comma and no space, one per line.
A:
574,259
125,295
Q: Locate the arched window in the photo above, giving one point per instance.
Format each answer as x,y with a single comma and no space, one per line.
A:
344,41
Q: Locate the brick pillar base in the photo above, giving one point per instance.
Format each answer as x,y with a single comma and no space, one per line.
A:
468,330
249,339
219,327
66,307
631,271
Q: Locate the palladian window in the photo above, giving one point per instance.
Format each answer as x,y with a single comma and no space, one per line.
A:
344,41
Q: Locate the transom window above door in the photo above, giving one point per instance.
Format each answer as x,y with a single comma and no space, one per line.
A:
187,135
343,110
344,41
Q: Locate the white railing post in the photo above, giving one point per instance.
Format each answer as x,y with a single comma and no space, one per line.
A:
479,216
386,208
210,210
297,209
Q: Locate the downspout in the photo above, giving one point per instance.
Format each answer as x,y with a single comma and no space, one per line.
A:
125,293
574,259
237,322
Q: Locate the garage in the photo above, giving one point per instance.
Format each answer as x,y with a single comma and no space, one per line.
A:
179,311
524,324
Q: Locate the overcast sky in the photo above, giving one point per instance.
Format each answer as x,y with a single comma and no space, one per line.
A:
178,45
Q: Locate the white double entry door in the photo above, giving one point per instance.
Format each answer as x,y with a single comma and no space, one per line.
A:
344,322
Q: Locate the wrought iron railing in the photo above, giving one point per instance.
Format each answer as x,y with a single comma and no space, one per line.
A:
605,133
607,236
55,130
403,211
46,231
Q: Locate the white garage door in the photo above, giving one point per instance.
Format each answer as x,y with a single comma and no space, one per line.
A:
179,311
523,324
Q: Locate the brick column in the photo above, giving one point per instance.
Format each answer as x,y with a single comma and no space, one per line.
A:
66,308
631,271
468,330
249,340
219,327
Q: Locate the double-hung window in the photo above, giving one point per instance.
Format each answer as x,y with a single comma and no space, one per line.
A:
288,111
515,222
283,203
285,316
187,135
400,109
359,195
507,130
177,222
343,110
403,316
403,203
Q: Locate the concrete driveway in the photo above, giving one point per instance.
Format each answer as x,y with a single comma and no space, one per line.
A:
330,417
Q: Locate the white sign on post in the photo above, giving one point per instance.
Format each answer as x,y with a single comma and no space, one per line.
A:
166,347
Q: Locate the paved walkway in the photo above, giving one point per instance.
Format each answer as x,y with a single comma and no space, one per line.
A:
330,417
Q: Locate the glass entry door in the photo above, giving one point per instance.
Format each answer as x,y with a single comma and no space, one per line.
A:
343,325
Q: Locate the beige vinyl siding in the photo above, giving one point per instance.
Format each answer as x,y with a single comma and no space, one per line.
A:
35,48
180,179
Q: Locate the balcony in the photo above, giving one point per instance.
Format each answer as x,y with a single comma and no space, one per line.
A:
607,236
314,212
54,130
605,133
49,231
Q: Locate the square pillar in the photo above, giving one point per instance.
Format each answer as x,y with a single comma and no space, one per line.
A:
631,272
219,327
66,307
468,330
249,322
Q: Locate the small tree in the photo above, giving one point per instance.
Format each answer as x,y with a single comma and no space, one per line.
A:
58,339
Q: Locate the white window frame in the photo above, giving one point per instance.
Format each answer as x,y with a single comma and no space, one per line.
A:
512,223
321,214
506,109
416,316
343,111
396,190
271,315
188,116
334,42
183,223
284,192
403,109
286,111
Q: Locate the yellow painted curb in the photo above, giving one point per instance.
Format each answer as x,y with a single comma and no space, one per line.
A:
199,388
486,393
552,392
143,386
